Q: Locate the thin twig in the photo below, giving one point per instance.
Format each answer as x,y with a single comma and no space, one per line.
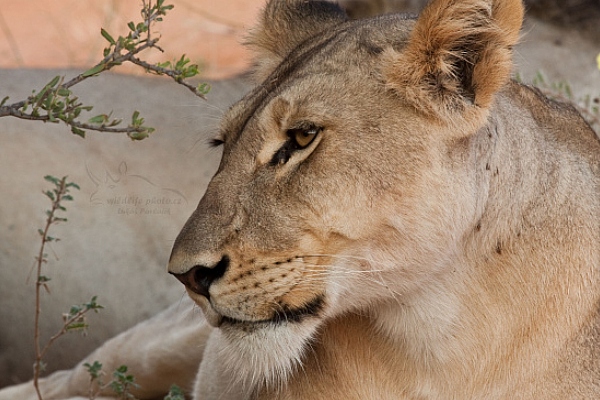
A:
113,57
41,259
169,72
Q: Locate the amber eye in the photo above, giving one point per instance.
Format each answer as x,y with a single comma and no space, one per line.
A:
303,137
299,138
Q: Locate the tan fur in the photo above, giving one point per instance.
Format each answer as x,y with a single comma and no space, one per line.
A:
438,239
447,217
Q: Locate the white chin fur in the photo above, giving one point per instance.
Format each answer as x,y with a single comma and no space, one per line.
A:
267,355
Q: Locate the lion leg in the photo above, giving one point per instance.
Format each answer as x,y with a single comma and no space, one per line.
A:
163,350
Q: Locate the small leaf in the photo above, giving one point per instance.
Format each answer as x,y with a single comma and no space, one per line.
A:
136,121
98,119
175,393
53,82
131,25
52,179
94,70
203,88
43,366
76,326
63,92
78,132
94,369
107,36
138,135
141,27
115,122
4,100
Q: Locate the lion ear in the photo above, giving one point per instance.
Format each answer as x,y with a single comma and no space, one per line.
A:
458,56
283,25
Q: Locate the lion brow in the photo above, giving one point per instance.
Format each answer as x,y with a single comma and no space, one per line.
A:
260,96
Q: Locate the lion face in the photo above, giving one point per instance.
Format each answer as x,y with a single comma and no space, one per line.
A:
334,188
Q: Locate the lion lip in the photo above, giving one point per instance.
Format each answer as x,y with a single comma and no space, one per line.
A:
284,315
214,319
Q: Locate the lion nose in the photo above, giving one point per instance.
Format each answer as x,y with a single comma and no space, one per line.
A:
199,278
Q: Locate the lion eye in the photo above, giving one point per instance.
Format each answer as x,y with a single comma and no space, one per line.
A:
299,138
303,137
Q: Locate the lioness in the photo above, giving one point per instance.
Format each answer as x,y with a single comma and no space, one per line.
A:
392,218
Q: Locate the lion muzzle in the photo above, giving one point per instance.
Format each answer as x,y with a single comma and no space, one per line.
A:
199,278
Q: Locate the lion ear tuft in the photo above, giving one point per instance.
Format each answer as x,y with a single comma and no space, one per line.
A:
457,57
283,25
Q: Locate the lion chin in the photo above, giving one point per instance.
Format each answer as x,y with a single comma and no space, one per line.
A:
263,352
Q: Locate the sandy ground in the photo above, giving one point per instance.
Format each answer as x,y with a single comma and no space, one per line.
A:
105,251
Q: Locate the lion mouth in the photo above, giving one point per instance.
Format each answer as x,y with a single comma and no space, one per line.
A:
283,315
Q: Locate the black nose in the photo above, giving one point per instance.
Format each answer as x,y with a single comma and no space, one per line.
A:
199,278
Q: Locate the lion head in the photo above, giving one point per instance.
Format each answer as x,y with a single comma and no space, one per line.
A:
337,187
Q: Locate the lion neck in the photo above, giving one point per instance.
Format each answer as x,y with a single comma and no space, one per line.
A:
498,289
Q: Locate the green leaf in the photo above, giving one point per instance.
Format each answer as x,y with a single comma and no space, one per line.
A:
131,25
94,369
138,135
107,36
4,100
98,119
136,121
43,366
74,185
78,132
141,27
63,92
94,70
76,326
115,122
175,393
203,88
43,279
120,370
52,179
53,82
